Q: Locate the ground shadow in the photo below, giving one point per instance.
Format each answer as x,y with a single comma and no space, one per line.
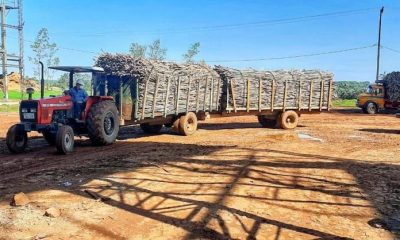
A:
379,183
380,130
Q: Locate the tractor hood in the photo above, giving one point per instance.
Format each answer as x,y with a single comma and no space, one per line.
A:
41,111
62,102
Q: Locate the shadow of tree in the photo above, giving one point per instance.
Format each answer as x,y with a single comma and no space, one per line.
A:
380,130
207,201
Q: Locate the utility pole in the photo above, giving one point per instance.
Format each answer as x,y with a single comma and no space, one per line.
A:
379,44
21,44
6,6
3,48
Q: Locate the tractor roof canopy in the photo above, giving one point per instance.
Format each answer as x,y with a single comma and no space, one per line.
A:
78,69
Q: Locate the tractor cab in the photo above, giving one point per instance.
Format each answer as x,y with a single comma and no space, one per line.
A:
54,117
375,90
72,70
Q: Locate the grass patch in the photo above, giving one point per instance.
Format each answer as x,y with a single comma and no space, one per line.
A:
345,103
13,108
17,95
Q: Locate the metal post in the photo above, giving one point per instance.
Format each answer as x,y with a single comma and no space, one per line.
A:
41,80
379,44
3,48
21,43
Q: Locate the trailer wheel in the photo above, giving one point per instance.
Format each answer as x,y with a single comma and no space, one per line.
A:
188,124
65,140
16,141
152,129
103,123
371,108
267,123
288,120
50,137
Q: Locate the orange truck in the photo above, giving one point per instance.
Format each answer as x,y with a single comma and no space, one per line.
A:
375,99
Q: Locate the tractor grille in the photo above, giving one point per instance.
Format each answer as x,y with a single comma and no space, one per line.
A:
28,111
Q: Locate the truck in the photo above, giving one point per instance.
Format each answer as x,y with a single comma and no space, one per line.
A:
376,99
154,95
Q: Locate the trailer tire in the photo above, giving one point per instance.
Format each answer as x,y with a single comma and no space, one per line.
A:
371,108
103,123
50,137
267,123
151,129
288,120
16,141
65,140
188,124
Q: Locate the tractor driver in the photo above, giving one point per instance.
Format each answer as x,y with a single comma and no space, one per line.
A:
79,98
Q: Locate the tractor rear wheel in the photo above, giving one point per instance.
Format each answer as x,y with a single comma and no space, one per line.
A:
267,123
50,137
187,124
289,120
16,140
65,139
102,123
151,129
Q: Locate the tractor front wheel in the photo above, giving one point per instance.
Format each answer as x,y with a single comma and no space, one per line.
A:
103,123
65,140
16,140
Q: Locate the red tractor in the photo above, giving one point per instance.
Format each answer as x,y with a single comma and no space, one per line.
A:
54,118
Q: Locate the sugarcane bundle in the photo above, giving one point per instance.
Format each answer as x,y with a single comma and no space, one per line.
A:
392,81
251,89
166,88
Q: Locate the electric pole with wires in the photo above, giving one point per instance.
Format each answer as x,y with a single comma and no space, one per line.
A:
379,44
17,60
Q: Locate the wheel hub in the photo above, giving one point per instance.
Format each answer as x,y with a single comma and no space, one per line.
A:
109,124
68,140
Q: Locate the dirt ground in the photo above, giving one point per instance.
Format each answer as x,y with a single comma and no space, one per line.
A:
337,176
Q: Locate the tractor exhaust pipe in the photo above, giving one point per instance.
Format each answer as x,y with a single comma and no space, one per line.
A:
41,80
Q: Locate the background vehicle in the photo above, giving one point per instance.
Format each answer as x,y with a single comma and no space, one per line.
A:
376,99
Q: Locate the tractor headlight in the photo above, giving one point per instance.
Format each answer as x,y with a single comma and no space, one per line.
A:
24,110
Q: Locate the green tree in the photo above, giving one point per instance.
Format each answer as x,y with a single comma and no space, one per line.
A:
194,49
137,50
349,89
63,81
152,51
156,52
44,51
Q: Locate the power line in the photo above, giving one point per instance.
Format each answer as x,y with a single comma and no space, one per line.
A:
391,49
297,56
67,48
237,25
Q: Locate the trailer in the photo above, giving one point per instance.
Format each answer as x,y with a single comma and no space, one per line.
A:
156,94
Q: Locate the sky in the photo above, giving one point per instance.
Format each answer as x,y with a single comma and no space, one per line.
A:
228,31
